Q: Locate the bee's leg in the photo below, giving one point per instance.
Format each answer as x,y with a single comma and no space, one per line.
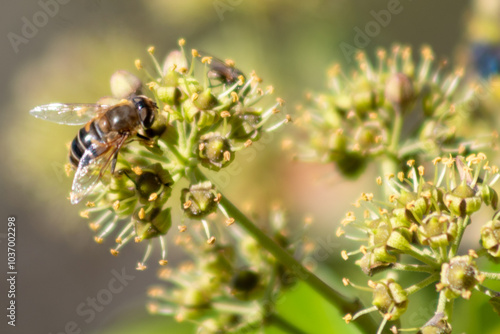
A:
113,162
148,141
143,137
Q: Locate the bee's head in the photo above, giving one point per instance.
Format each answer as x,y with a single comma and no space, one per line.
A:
146,109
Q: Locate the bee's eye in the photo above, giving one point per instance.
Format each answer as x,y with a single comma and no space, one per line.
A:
147,117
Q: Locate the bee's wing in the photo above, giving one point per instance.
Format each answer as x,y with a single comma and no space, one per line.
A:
92,166
67,113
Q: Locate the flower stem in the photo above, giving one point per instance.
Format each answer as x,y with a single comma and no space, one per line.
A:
462,224
495,276
346,305
413,268
422,284
278,321
445,306
421,256
389,163
486,291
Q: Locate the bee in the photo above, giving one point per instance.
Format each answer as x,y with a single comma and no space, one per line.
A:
106,130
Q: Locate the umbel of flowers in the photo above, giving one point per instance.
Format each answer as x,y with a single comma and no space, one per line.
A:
207,111
395,108
226,288
419,229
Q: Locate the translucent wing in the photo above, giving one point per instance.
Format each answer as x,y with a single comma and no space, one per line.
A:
67,113
89,172
93,163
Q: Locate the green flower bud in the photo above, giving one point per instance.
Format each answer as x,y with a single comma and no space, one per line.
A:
430,94
490,237
437,325
250,250
190,110
351,164
218,262
436,194
206,100
244,283
462,200
437,230
243,126
363,99
214,151
399,222
171,78
121,190
207,118
416,207
124,84
459,277
153,182
169,95
154,222
399,91
374,260
199,200
390,298
380,231
342,103
195,302
366,137
337,146
399,241
489,195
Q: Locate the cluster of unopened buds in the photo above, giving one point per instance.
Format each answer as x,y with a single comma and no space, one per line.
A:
201,120
419,229
396,108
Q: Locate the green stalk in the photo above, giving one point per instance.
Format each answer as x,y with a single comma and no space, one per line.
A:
445,305
413,268
346,305
389,163
495,276
462,224
277,321
422,284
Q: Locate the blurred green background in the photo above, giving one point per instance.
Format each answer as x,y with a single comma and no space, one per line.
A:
70,59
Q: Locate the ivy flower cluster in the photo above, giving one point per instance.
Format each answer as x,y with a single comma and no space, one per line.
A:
224,288
208,110
419,228
396,108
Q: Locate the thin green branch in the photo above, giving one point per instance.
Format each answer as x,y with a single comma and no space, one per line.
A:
278,321
421,256
422,284
413,268
488,275
445,305
462,224
489,292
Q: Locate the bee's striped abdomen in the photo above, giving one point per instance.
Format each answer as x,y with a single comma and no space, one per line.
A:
83,141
